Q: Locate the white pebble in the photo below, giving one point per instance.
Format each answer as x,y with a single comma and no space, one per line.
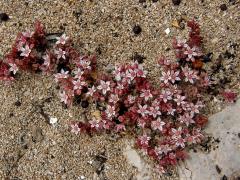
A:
53,120
167,31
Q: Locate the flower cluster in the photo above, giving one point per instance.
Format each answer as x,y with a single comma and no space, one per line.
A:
164,120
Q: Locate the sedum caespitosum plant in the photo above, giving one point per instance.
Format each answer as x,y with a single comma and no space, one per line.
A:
164,120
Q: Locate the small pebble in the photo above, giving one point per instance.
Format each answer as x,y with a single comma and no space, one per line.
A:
137,29
53,121
84,89
218,169
4,17
82,177
18,103
223,7
142,1
224,177
167,31
176,2
85,104
139,58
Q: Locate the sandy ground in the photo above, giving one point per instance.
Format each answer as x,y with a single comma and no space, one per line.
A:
30,148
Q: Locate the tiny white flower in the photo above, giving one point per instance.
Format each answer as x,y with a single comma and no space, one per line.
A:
46,60
78,73
166,95
28,34
94,123
146,94
75,128
63,97
144,139
104,86
62,75
158,124
142,110
25,51
85,64
110,111
13,68
78,85
91,91
113,98
62,39
60,53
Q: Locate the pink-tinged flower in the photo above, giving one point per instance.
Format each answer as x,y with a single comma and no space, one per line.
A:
166,95
75,128
163,149
64,97
110,111
62,39
78,85
85,64
193,108
94,123
28,34
46,59
120,86
170,110
190,75
164,61
146,94
154,111
117,73
131,74
176,133
191,53
172,155
141,122
120,127
91,91
180,99
155,103
175,89
126,80
186,119
174,76
199,104
60,53
131,99
142,110
62,75
113,98
160,169
144,140
25,51
180,142
104,86
166,76
182,43
19,45
196,136
158,124
78,73
205,81
13,68
140,72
